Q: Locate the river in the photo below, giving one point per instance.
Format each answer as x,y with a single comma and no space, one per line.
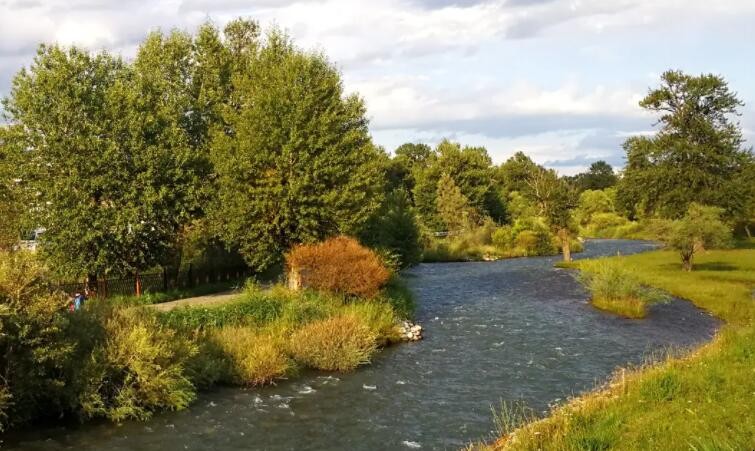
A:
512,330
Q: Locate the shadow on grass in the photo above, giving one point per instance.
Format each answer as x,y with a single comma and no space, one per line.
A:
708,266
715,266
745,244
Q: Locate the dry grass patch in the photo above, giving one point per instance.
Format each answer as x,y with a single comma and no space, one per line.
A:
255,357
338,343
632,308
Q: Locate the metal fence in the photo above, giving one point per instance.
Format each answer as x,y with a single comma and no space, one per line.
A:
158,281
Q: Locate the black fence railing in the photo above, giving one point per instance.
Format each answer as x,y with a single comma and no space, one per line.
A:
163,280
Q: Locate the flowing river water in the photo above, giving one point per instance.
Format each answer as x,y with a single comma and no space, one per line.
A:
512,330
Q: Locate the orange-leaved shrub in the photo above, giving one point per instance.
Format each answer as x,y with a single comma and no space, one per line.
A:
339,265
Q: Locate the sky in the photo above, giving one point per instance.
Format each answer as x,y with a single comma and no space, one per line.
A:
557,79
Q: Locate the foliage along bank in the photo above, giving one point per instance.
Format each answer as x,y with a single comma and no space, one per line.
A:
126,362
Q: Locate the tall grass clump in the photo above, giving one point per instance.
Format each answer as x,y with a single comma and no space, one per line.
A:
616,289
338,343
254,357
337,265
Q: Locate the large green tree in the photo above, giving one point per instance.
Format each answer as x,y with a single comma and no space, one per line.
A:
11,203
513,174
107,154
408,159
472,172
696,156
295,162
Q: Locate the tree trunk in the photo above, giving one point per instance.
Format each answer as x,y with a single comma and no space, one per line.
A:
565,244
138,284
687,262
747,230
90,286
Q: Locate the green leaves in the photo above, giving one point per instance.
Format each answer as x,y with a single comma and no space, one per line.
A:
700,228
107,153
295,163
696,156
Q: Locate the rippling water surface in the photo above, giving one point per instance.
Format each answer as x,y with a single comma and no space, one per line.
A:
509,330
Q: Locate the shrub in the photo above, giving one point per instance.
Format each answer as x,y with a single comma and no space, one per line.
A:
338,343
615,288
700,228
503,238
34,347
338,265
254,357
532,237
379,317
137,369
400,297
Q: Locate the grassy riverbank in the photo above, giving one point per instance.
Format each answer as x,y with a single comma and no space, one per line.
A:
269,334
120,361
701,401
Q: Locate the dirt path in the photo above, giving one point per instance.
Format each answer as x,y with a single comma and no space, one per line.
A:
199,301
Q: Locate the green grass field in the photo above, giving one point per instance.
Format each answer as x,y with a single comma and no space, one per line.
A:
701,401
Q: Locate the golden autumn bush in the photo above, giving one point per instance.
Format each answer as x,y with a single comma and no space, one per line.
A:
338,265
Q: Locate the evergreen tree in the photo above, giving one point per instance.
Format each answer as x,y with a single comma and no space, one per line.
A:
453,206
471,170
394,228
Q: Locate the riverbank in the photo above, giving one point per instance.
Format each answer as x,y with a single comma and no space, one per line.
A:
122,360
703,400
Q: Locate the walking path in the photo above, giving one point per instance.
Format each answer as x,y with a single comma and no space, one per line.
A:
199,301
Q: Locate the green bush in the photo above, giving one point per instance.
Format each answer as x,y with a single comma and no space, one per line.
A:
379,317
393,230
137,369
400,297
36,352
503,238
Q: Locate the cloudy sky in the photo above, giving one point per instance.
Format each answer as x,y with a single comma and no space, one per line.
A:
557,79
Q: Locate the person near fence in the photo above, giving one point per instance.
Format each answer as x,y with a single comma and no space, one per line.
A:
78,301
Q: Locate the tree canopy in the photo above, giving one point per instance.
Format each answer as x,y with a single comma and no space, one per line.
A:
471,170
696,156
295,163
700,228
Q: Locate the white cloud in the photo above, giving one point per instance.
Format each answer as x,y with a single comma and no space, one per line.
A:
545,76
